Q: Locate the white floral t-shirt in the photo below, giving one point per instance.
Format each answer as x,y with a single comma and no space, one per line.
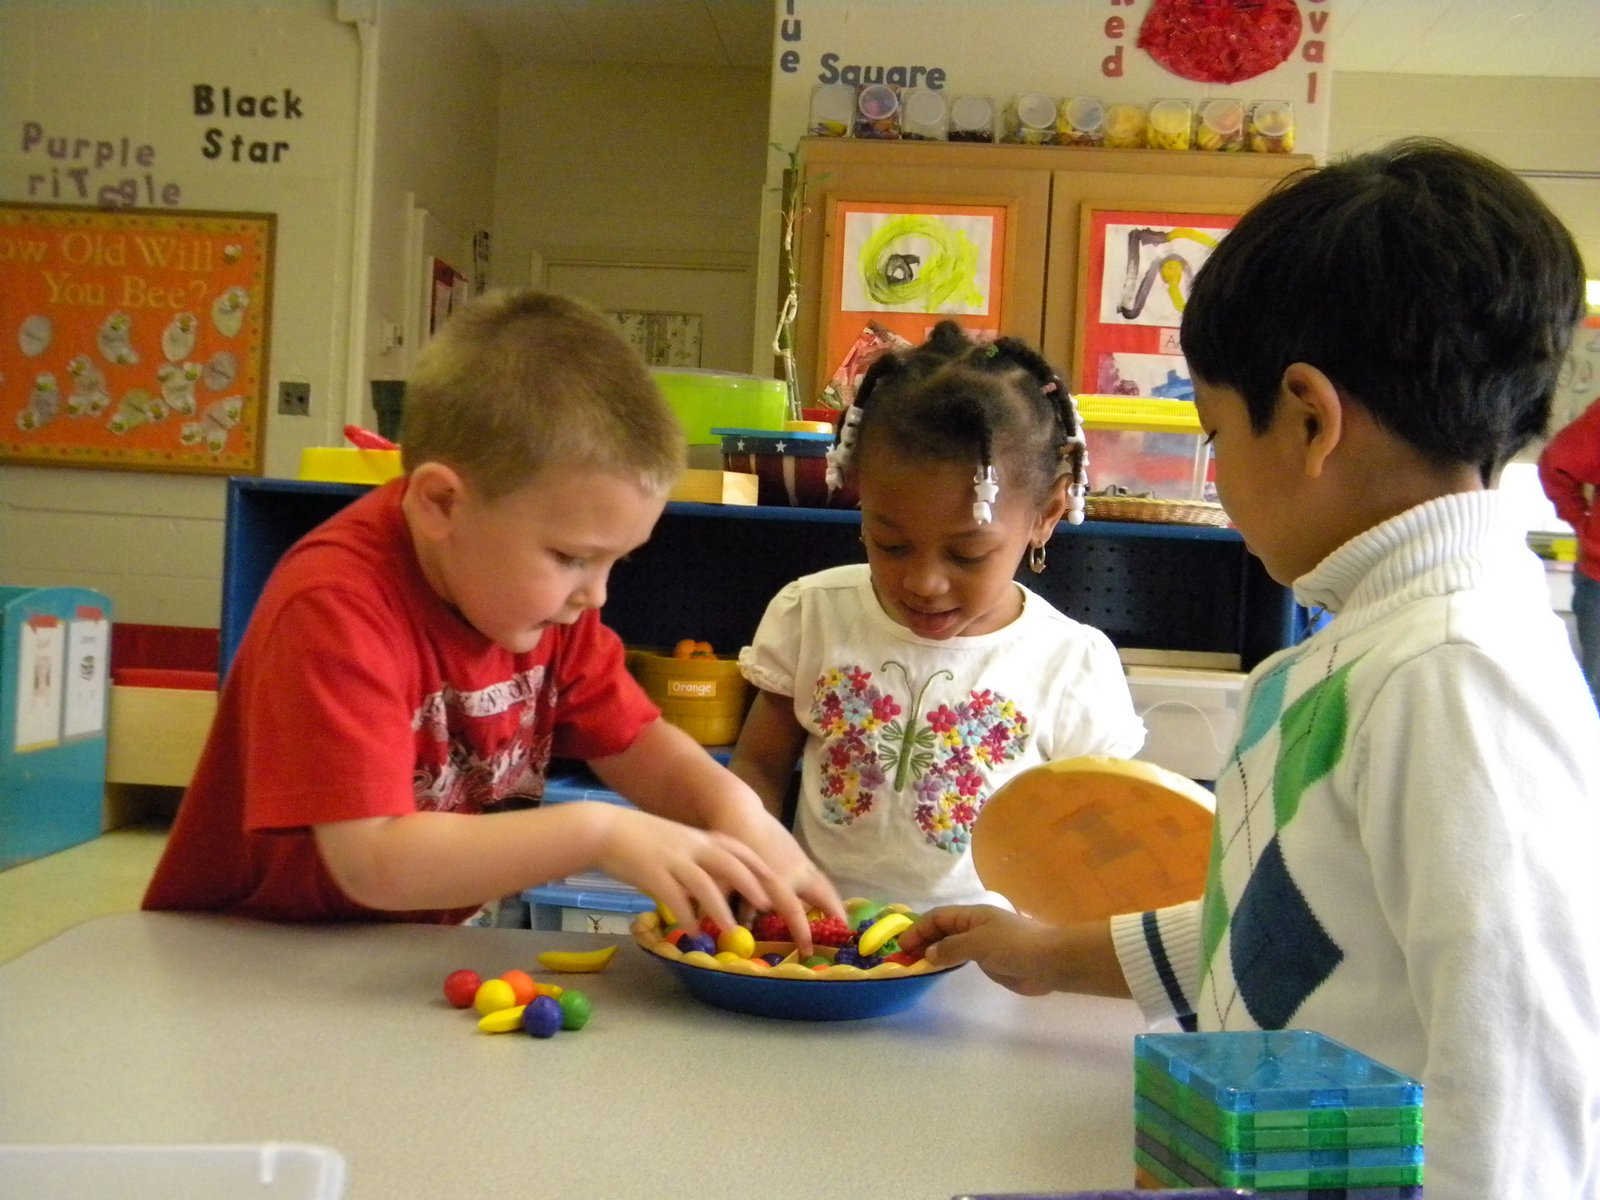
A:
908,737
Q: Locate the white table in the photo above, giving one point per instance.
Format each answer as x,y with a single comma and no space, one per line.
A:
161,1028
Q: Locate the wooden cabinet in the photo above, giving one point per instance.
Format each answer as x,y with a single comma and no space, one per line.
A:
1042,190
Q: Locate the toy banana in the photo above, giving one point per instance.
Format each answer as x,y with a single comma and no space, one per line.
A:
506,1020
881,930
576,961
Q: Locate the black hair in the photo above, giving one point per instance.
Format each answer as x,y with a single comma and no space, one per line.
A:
1427,282
956,399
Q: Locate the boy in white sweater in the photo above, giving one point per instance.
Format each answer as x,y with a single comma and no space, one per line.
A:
1403,856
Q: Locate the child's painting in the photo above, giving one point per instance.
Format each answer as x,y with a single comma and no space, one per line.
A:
134,339
896,271
1138,270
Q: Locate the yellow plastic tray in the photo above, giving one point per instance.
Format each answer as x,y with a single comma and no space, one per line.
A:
1138,412
345,464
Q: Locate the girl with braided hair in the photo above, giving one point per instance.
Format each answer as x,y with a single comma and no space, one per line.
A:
912,686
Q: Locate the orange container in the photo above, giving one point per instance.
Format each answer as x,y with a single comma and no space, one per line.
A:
704,697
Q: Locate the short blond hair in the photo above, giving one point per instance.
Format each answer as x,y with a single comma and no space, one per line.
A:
517,382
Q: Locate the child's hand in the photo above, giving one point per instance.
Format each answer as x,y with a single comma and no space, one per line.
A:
686,869
796,882
1013,951
1027,956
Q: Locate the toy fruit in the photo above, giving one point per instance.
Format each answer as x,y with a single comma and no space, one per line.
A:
689,648
493,995
542,1018
460,987
504,1020
577,961
575,1010
885,927
523,988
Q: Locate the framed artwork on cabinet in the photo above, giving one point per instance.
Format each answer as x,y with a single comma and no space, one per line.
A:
134,339
1136,269
898,269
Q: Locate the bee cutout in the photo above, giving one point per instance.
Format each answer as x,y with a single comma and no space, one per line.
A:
177,386
138,407
35,334
214,426
44,403
227,311
177,339
116,340
89,397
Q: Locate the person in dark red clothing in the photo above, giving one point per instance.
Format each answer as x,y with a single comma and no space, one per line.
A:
1569,469
415,662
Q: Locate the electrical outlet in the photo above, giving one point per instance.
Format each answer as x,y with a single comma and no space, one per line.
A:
294,399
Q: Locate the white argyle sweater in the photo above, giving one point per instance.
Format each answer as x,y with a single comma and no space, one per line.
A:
1405,852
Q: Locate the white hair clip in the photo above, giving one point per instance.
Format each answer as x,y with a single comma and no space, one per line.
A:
839,454
985,492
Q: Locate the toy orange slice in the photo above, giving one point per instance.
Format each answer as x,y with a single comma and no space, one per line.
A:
1085,838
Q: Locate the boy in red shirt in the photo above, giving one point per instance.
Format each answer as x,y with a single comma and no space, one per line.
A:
415,662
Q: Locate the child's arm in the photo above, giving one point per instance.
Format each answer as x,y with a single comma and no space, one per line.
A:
1025,955
769,746
436,860
666,772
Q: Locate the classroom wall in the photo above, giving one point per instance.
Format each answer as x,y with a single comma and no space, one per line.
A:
631,163
107,69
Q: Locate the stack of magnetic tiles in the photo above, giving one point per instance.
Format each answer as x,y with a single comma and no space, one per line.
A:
1289,1113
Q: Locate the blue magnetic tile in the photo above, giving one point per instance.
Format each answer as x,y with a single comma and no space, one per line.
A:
1250,1071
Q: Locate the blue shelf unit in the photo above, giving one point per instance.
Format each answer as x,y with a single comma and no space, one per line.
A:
709,571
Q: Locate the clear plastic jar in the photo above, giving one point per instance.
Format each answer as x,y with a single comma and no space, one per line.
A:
971,119
924,115
1081,122
833,108
1030,118
1269,126
878,111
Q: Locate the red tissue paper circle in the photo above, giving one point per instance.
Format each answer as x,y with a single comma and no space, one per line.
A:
1220,41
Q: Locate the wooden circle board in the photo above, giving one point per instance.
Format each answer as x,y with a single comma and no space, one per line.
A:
1083,839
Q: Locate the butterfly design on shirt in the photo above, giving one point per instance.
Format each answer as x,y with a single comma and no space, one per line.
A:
873,744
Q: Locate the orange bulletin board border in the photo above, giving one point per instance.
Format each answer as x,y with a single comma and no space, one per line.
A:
1137,265
134,339
843,327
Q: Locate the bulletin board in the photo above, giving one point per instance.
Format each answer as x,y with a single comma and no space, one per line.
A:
134,339
1137,270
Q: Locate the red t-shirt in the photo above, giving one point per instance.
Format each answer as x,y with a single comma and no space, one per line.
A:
357,692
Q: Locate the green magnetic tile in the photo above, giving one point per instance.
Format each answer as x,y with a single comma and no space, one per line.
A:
1253,1071
1208,1170
1205,1120
1149,1115
1228,1127
1164,1173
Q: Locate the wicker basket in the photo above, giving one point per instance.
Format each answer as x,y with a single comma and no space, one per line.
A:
1164,512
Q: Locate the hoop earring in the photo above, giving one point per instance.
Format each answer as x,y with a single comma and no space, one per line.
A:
1036,559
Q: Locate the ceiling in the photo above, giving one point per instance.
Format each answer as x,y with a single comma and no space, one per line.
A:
1547,38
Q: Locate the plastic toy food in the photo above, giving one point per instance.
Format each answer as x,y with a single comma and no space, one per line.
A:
858,969
577,961
865,952
517,1003
460,987
523,989
542,1018
492,996
689,648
